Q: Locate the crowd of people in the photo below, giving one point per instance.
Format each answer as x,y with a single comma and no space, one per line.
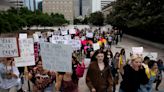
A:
104,73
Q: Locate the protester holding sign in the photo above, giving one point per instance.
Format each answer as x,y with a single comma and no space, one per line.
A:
68,82
9,76
41,78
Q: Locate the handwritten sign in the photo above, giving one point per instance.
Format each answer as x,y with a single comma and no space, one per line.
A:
56,57
76,44
96,46
137,50
72,31
60,39
36,37
87,62
26,52
89,35
23,36
151,55
8,47
64,32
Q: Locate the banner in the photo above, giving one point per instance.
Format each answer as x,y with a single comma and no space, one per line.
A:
56,57
151,55
9,47
26,53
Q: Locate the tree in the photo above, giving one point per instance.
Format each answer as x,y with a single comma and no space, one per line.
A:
139,17
96,18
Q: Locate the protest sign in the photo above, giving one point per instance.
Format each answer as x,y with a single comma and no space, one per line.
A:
96,46
56,57
87,62
72,31
137,50
9,47
38,33
151,55
49,34
64,32
23,36
60,39
26,53
76,44
36,37
89,35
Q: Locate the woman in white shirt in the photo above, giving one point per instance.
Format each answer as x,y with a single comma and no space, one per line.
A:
9,76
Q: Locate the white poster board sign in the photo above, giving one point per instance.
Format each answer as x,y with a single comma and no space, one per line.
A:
26,53
60,39
137,50
56,57
76,44
23,36
96,46
151,55
64,32
36,37
38,33
9,47
89,35
87,62
49,33
72,31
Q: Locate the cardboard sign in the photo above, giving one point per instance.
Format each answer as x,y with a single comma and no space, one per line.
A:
72,31
137,50
26,53
9,47
89,35
23,36
56,57
96,46
151,55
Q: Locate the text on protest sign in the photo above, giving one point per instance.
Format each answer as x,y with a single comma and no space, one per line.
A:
96,46
76,44
56,57
60,39
26,53
137,50
89,35
23,36
72,31
9,47
151,55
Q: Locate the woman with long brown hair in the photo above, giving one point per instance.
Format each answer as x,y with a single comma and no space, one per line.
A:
99,77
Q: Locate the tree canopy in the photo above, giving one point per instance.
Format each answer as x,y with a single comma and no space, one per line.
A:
14,20
138,17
